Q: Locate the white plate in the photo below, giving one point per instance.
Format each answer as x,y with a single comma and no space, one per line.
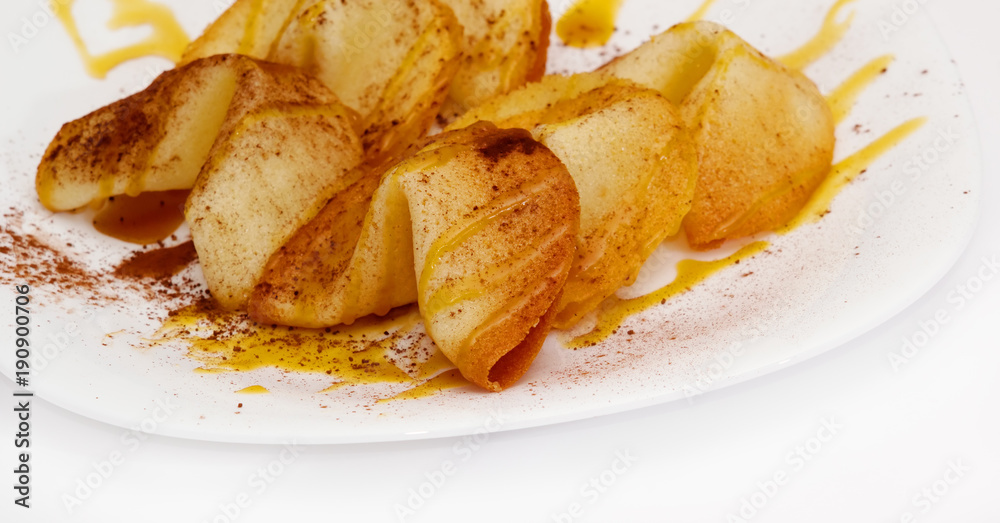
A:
813,290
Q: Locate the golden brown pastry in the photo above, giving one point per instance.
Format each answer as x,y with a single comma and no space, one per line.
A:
764,133
478,227
392,61
505,45
632,161
262,146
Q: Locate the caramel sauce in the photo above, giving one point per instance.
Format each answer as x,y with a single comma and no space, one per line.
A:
451,379
846,170
143,219
254,389
614,310
168,39
829,35
589,23
372,350
842,99
701,11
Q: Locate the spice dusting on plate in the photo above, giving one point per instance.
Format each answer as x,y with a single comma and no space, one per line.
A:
68,267
161,263
28,259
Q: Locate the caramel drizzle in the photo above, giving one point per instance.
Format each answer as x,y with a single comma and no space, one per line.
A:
701,11
847,170
829,35
588,23
615,310
167,40
842,99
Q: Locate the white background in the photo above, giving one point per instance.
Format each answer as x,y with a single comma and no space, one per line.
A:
898,432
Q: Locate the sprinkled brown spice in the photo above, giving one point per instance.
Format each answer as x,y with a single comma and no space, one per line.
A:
29,259
498,146
61,271
159,263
